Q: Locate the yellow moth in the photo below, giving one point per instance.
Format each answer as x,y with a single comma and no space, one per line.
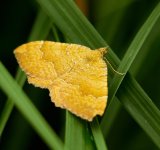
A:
75,75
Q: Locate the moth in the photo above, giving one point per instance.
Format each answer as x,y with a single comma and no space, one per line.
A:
75,75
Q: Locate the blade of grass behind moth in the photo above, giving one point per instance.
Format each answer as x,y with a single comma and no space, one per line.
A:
23,103
55,34
74,132
42,23
131,54
67,17
100,142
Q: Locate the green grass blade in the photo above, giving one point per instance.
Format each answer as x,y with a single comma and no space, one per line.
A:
5,115
141,108
55,34
9,103
98,136
133,49
74,135
22,102
41,27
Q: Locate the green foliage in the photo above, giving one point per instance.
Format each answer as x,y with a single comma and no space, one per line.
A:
132,118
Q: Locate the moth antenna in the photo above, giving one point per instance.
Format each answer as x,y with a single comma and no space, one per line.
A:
120,73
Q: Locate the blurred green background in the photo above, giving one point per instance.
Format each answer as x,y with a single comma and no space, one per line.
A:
117,22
